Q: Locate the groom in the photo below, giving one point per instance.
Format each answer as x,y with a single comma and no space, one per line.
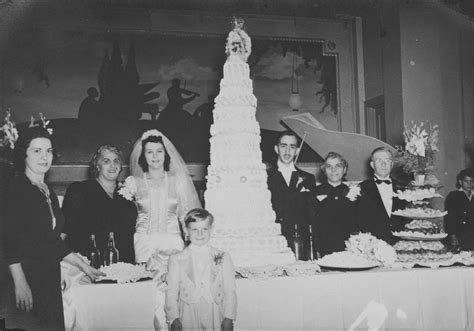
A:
291,188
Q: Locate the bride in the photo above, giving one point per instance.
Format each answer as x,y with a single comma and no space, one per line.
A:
163,192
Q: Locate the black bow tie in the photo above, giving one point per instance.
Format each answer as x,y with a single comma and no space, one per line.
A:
380,181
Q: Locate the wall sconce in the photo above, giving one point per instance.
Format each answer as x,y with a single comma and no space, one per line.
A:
295,101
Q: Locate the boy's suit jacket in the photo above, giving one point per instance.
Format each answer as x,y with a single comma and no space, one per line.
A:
292,203
181,285
372,216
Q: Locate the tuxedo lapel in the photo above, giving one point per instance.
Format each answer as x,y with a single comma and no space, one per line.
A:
375,196
294,180
279,179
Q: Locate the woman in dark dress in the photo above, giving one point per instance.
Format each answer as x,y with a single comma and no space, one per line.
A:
94,207
459,204
334,220
33,247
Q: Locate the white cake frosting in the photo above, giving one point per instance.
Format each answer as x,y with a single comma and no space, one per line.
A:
237,193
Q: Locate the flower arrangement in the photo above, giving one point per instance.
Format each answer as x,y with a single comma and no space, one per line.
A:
128,189
354,192
370,247
44,123
9,133
219,258
421,145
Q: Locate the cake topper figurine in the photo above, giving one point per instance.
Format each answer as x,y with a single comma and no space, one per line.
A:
238,42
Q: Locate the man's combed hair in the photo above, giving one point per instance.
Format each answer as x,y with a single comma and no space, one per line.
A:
463,174
379,149
287,133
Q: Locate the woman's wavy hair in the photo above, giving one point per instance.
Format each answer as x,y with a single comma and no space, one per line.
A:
24,141
334,155
142,160
94,162
463,174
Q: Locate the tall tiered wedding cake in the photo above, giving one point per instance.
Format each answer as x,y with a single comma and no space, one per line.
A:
237,193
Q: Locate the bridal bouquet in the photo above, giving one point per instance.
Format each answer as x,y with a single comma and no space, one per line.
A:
421,144
373,249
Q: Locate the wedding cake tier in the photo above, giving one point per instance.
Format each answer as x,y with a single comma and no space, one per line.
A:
237,193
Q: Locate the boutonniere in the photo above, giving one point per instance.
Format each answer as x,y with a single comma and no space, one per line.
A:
353,193
219,258
128,189
300,180
321,197
304,189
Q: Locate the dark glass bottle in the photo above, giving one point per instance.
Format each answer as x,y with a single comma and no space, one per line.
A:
310,244
111,255
94,254
297,244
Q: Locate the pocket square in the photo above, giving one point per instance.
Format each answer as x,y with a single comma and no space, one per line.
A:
304,189
321,197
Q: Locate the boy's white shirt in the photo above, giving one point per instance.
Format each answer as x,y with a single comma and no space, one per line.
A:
202,272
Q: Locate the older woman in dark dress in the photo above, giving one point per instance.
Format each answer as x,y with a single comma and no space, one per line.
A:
334,220
33,247
94,207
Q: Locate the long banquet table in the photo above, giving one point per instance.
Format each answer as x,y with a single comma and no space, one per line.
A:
415,299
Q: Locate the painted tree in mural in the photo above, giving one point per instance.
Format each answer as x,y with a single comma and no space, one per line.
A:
122,97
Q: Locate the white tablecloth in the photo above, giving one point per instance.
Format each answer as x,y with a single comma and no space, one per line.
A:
417,299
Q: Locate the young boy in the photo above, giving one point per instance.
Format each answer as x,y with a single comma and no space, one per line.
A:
201,281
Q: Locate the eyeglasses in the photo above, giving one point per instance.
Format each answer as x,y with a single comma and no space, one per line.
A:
383,161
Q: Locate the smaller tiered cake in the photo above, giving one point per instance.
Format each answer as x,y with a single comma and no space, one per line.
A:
421,229
425,249
420,251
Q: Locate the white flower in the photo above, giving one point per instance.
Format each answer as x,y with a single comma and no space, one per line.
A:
354,192
304,189
129,188
10,132
300,180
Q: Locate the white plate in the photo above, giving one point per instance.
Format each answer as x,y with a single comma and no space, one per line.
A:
427,237
348,268
419,217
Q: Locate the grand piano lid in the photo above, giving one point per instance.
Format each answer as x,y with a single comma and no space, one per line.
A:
354,147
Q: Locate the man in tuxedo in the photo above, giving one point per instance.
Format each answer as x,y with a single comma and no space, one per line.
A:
291,189
377,202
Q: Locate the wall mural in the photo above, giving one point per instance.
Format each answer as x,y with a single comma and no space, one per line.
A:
99,88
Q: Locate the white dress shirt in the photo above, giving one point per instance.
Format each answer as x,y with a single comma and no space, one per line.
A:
202,272
286,171
386,193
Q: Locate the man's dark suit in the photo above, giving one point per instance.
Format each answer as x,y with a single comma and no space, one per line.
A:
291,203
372,216
460,218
